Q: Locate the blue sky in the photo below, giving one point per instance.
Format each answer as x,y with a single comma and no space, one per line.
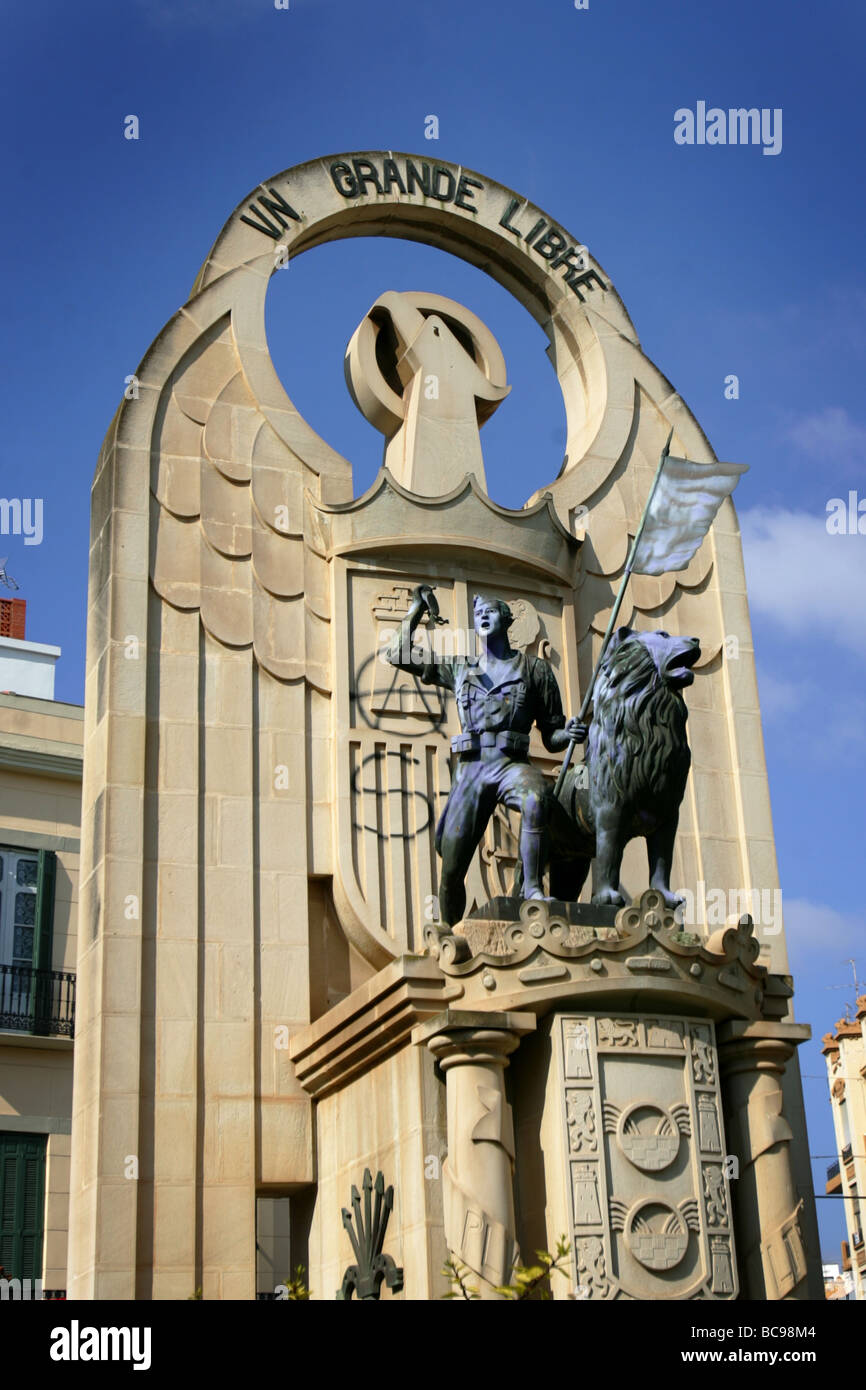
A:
728,260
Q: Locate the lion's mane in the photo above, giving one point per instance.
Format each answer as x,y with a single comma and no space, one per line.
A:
638,751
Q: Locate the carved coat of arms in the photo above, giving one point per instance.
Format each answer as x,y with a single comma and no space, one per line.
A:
648,1177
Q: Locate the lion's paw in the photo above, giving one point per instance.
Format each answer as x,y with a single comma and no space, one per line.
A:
608,897
669,898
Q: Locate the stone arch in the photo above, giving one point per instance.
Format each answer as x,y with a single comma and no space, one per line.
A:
496,230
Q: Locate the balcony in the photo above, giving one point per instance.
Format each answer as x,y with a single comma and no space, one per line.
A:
834,1179
847,1153
41,1002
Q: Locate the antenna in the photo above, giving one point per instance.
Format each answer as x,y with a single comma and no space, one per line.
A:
859,986
4,577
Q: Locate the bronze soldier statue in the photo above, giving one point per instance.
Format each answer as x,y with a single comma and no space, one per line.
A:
500,695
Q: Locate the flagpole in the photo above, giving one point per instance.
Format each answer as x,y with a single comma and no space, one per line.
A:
614,612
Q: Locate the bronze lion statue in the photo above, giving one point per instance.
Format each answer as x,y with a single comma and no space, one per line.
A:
637,763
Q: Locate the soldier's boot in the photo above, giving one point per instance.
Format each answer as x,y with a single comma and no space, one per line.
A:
532,858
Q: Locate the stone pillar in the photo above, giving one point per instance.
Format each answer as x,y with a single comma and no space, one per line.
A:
478,1174
767,1208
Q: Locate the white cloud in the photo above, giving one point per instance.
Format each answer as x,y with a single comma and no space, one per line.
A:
843,726
815,927
780,697
842,717
809,582
831,437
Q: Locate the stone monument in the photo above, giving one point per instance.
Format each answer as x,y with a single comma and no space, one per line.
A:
266,935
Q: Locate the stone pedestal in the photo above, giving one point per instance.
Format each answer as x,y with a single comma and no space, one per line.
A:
644,1067
625,1133
478,1191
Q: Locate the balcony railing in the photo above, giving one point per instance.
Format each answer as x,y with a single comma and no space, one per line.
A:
833,1171
37,1001
847,1152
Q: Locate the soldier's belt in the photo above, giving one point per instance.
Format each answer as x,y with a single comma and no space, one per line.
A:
506,742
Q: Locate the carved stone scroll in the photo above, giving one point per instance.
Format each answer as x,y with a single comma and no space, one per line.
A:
767,1215
473,1051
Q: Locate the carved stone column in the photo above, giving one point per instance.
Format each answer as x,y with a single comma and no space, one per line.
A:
478,1188
769,1238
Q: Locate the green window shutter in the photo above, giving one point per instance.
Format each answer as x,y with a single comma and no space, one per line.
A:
43,939
7,1208
43,936
22,1204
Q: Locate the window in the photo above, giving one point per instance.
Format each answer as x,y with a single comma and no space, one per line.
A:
282,1239
22,1201
26,919
273,1243
845,1126
18,875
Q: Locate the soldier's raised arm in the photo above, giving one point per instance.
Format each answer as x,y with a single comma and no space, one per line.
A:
400,652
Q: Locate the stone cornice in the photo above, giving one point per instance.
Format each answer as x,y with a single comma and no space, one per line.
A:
644,961
38,755
35,1041
13,837
541,959
848,1028
57,709
371,1022
388,515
